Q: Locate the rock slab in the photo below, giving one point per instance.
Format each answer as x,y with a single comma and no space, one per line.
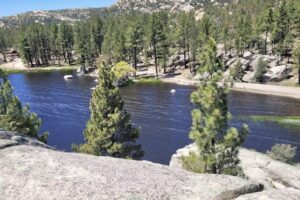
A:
280,180
34,172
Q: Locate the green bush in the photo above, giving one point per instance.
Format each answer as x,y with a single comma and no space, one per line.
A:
261,69
237,72
283,152
193,163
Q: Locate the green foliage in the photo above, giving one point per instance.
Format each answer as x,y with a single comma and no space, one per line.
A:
283,152
64,42
193,163
14,117
114,44
134,40
217,145
296,56
3,44
157,37
244,32
83,43
237,72
109,131
137,37
288,121
122,69
267,24
261,69
149,81
97,35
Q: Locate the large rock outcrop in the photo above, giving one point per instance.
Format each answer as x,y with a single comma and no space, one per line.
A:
170,5
39,172
280,180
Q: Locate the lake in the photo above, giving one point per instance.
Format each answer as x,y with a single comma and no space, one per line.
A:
164,118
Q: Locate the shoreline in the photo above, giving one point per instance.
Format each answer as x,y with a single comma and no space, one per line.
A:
265,89
274,90
39,69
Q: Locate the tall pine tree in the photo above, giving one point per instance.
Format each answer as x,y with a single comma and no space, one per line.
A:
217,144
14,117
109,131
157,38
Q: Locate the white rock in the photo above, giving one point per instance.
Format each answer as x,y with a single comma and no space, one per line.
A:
231,61
281,180
68,77
30,173
247,55
278,73
248,77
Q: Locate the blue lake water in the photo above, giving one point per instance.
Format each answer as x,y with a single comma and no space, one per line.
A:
164,118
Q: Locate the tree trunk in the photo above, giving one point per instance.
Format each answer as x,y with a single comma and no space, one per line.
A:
135,58
184,54
299,74
155,59
4,57
266,42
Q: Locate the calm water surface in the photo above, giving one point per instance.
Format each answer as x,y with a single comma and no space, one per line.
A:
164,118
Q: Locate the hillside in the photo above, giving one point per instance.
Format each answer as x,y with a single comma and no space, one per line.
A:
72,15
171,5
52,16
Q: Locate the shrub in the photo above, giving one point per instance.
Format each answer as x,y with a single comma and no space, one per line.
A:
122,69
261,69
283,152
193,163
237,72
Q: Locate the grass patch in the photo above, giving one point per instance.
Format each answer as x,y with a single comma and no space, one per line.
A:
41,69
148,81
283,120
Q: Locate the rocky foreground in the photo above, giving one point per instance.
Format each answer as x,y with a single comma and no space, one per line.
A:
280,180
32,170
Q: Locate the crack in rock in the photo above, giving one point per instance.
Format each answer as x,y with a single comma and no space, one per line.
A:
247,189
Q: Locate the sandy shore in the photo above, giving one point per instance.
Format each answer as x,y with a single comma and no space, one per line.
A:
18,66
292,92
284,91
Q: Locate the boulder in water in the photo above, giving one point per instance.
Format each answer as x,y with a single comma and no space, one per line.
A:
68,77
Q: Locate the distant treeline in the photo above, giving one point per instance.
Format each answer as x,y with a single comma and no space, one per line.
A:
138,37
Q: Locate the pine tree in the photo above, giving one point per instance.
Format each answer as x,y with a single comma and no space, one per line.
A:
296,56
14,117
261,69
97,35
207,26
194,39
244,32
281,27
114,45
183,35
267,24
3,45
237,72
134,41
83,43
65,42
157,37
109,131
25,49
216,144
